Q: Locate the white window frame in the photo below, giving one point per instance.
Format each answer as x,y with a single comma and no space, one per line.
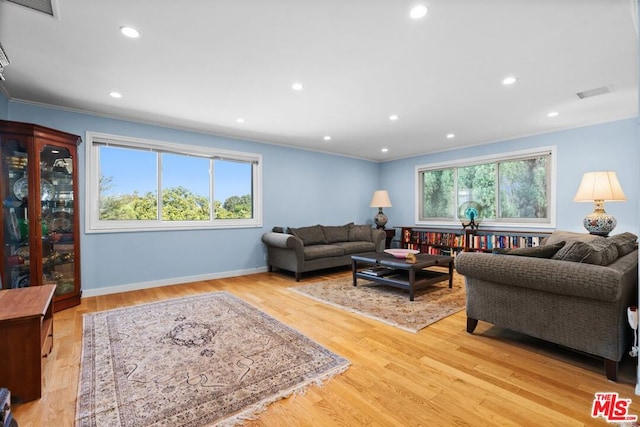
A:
550,224
93,224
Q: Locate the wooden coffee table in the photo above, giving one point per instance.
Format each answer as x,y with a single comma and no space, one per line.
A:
388,270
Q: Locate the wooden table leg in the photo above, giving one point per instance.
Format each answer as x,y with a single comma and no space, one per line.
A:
412,281
354,270
451,275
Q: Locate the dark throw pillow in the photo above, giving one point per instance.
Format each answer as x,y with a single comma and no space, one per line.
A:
625,242
360,233
544,251
337,233
598,252
312,235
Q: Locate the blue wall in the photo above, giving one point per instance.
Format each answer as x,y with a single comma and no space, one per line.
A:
303,188
609,146
4,107
299,187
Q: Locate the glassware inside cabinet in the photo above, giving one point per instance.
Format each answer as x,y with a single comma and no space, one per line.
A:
14,214
58,240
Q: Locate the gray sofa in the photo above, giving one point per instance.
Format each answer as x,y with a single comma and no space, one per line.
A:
316,247
573,291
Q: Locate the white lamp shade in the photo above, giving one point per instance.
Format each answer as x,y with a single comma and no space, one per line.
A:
380,199
599,186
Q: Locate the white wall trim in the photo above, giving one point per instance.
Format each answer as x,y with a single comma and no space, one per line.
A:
86,293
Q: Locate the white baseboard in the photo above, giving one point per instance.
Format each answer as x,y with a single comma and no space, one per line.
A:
167,282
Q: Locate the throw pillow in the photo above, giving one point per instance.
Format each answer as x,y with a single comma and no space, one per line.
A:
598,252
312,235
337,233
569,236
360,233
544,251
625,242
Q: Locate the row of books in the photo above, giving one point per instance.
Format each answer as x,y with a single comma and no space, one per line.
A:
433,238
490,241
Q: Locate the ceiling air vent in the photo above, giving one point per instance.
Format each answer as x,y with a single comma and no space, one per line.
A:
593,92
44,6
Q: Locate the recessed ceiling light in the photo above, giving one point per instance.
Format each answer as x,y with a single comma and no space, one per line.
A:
418,11
130,32
240,120
327,138
451,136
384,150
552,114
115,94
509,80
393,117
297,86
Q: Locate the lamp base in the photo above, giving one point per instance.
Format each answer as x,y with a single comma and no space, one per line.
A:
380,219
599,222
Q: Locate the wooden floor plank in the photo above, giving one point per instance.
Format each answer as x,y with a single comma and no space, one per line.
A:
439,376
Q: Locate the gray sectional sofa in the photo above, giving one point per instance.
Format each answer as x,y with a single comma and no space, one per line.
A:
573,291
316,247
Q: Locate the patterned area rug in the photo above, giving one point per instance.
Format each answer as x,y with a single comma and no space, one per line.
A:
209,359
391,305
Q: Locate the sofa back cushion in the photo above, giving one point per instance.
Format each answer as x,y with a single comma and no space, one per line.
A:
313,235
598,251
360,233
543,251
625,242
569,236
337,233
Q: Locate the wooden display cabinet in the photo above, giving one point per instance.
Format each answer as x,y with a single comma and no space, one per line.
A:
39,214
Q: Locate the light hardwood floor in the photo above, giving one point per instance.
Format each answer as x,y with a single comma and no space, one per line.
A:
440,376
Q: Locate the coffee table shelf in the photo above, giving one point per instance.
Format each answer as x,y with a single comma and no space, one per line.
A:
409,276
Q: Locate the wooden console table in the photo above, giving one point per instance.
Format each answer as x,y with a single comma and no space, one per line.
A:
26,339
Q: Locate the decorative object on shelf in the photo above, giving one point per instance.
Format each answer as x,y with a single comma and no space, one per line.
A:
401,253
469,214
597,187
21,189
380,200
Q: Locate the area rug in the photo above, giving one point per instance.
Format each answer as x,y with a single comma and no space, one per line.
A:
390,305
203,360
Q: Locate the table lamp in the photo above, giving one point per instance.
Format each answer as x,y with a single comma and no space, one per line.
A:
597,187
380,200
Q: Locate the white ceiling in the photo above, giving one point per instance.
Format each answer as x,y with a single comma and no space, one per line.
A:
200,65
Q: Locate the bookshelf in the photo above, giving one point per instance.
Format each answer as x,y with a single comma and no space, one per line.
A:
440,241
432,241
487,240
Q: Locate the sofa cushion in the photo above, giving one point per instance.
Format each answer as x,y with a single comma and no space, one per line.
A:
312,235
569,236
337,233
598,252
360,233
544,251
356,247
322,251
625,242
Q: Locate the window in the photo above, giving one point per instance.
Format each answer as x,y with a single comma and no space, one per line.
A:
135,185
515,189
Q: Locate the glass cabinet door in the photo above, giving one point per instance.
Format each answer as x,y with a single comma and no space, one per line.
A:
57,218
15,187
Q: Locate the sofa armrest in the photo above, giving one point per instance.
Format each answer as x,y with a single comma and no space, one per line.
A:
605,283
282,240
379,237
